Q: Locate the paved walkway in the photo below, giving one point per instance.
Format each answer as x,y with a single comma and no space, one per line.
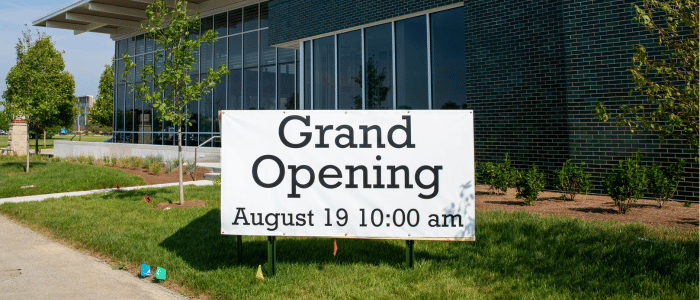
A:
80,193
33,267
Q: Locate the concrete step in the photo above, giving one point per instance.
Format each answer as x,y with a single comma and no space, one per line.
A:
211,176
214,167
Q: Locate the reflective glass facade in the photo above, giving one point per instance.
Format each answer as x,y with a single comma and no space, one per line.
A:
415,62
261,77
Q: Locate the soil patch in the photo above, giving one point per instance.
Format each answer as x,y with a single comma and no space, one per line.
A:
594,207
164,177
186,204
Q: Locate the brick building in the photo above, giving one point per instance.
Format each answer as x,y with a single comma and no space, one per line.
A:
531,70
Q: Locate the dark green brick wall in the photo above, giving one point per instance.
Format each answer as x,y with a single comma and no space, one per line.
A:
296,19
535,70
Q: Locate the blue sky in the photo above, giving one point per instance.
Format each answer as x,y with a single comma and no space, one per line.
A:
85,54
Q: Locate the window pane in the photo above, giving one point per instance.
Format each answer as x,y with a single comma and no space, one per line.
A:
195,65
150,45
268,72
307,75
140,44
350,70
378,67
207,24
267,87
250,89
205,110
122,48
193,109
235,64
220,23
131,46
250,50
286,78
324,73
129,108
267,53
220,57
235,21
264,15
411,64
120,107
250,18
447,59
297,104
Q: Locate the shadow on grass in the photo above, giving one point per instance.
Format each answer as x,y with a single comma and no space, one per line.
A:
571,254
515,203
201,245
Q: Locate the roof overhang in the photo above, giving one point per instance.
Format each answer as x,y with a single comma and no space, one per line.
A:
119,17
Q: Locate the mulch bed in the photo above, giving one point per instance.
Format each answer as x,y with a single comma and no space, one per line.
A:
594,207
164,177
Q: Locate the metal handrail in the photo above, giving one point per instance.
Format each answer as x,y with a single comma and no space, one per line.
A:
195,154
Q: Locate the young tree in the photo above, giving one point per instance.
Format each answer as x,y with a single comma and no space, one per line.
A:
177,53
4,120
38,87
669,82
101,112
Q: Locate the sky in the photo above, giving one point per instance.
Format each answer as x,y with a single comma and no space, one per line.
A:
85,54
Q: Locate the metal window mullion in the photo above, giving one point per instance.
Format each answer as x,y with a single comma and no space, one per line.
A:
277,70
430,77
362,43
242,64
296,92
311,69
301,78
336,71
393,60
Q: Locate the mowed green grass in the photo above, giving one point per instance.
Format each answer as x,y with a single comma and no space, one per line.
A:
57,177
49,141
515,255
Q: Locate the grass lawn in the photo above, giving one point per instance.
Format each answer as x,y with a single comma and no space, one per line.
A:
49,141
515,255
57,177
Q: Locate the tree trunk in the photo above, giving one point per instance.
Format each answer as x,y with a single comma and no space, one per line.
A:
28,140
179,159
36,144
44,138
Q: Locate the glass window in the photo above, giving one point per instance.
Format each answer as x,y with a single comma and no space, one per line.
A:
268,59
250,88
250,50
264,15
378,67
235,76
207,24
250,18
307,75
235,22
150,45
350,70
324,73
219,93
140,44
411,64
220,24
193,109
122,48
447,59
131,46
129,109
285,78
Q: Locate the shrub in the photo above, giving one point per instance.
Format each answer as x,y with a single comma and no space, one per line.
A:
488,174
114,161
664,182
55,159
147,164
90,160
135,162
499,176
572,180
217,180
81,159
156,167
189,168
530,185
626,182
171,166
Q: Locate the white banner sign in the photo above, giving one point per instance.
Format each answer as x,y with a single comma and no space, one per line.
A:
368,174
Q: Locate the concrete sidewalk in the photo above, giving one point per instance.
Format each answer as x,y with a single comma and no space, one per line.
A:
80,193
33,267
